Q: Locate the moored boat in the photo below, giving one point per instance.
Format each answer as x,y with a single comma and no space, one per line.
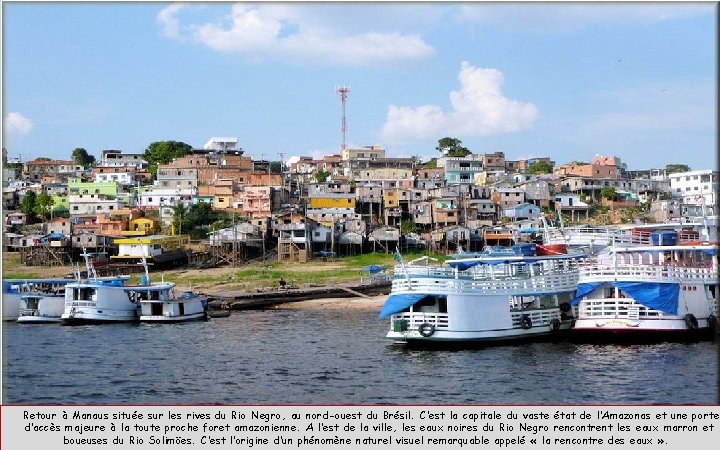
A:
36,307
491,298
164,306
648,293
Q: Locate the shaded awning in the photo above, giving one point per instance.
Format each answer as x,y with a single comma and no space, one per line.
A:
659,296
399,302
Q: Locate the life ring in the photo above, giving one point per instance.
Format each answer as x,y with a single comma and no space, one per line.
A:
691,321
426,329
555,324
565,307
525,322
712,322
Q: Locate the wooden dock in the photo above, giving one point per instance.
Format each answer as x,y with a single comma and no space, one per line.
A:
275,296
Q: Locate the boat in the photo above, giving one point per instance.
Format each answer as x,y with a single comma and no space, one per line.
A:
102,301
14,290
491,298
37,307
164,306
95,300
648,292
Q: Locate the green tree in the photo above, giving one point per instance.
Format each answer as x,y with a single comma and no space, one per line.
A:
539,167
608,192
432,164
179,211
451,147
43,205
163,152
676,168
321,176
82,158
276,167
408,226
27,205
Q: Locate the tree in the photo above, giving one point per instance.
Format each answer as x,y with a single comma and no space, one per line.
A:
82,158
276,167
179,211
321,176
408,226
676,168
27,205
539,167
451,147
43,205
432,164
163,152
608,192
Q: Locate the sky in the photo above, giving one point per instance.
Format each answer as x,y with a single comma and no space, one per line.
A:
562,80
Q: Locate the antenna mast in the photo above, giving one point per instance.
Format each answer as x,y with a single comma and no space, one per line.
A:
343,91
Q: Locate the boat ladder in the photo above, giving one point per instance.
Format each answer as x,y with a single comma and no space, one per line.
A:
633,312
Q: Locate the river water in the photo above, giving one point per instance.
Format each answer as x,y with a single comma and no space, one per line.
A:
331,356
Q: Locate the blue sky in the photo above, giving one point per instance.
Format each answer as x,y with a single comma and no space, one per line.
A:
564,80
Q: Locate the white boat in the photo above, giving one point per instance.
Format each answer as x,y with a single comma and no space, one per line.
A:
165,306
487,298
99,301
651,292
36,307
14,290
102,300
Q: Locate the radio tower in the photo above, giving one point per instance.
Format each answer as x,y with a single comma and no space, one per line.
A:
343,91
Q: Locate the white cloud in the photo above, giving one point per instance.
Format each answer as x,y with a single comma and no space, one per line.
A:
479,108
563,17
17,123
280,31
167,18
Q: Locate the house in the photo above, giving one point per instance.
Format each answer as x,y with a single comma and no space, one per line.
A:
522,211
242,233
292,229
445,211
508,197
58,225
157,248
571,203
385,237
695,186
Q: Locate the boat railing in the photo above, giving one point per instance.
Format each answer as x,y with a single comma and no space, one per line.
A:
615,308
415,319
538,317
537,284
644,271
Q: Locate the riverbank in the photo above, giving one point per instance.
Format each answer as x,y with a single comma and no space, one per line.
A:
354,303
253,280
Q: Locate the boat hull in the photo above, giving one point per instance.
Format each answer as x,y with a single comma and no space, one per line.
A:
38,319
175,319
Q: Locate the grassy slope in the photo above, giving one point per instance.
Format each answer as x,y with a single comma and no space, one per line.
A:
248,277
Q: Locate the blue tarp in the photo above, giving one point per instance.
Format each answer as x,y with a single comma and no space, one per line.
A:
373,268
659,296
399,302
462,265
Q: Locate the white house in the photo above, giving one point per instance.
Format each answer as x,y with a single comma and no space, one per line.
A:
695,187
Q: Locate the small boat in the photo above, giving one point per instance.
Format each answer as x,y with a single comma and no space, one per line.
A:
14,290
215,313
36,307
497,297
648,292
164,306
